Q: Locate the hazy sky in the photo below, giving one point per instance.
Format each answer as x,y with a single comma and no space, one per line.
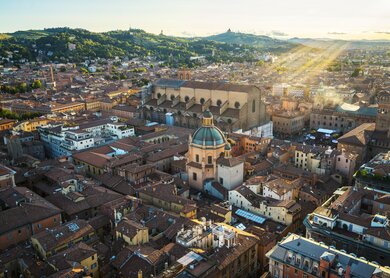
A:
304,18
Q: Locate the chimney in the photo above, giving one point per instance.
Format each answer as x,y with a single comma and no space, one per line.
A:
348,272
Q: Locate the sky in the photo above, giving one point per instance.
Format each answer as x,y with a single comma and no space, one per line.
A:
344,19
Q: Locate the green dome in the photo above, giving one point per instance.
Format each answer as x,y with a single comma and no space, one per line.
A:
208,136
207,114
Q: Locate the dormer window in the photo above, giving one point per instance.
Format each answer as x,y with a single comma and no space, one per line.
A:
315,267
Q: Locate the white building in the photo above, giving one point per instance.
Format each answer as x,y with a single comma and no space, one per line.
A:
285,212
207,235
265,130
230,170
278,189
120,130
63,141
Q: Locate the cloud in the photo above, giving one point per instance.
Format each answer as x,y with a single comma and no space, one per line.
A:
277,33
188,34
336,33
381,32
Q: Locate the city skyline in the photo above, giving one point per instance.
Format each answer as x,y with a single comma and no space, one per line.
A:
335,19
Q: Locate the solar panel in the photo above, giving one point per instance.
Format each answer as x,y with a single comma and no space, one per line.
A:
73,227
250,216
241,226
189,258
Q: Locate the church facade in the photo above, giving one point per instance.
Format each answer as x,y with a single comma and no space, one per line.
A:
181,103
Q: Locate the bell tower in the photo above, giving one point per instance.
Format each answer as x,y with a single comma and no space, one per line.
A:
184,74
383,116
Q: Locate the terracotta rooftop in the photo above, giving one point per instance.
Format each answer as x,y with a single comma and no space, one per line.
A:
359,136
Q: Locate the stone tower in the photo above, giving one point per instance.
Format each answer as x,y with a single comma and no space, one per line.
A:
383,116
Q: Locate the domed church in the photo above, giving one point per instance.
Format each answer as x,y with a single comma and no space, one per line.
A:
207,145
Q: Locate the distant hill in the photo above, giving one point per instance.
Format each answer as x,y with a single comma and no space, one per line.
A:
351,44
53,45
264,42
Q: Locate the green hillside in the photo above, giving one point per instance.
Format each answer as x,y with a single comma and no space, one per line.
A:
52,45
263,42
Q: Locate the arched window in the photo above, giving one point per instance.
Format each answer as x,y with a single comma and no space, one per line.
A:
186,99
253,106
229,121
172,97
158,95
237,104
194,115
219,102
151,108
202,101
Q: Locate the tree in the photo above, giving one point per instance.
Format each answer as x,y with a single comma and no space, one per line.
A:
356,72
22,87
36,84
84,70
259,63
7,114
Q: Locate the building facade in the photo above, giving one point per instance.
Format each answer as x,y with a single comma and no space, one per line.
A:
353,220
296,256
288,123
63,141
181,103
